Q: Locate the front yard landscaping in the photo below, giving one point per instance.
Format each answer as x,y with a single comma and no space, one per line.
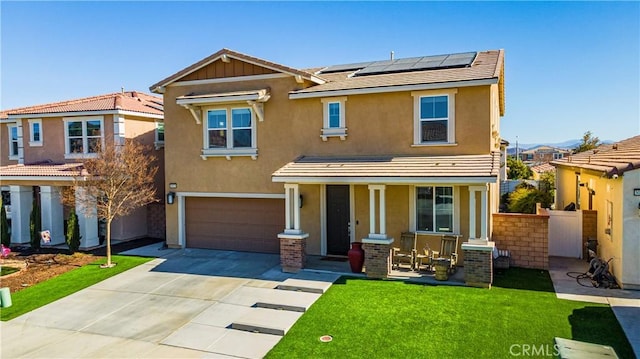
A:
387,319
64,284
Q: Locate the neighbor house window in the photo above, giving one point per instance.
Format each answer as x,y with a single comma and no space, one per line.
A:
13,142
229,132
434,209
35,132
434,117
333,114
83,136
159,135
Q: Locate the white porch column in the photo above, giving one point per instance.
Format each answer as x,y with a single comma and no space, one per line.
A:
52,213
292,208
472,212
372,212
87,220
483,213
21,201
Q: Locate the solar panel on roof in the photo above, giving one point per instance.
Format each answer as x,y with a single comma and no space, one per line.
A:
418,63
346,67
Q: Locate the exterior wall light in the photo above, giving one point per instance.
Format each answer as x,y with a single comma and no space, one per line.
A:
300,202
171,197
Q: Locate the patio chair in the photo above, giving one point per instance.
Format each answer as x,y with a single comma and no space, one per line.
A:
406,252
449,250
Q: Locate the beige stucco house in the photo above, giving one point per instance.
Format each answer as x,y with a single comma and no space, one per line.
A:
259,154
43,148
607,180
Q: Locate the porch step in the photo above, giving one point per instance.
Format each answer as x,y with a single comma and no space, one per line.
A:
267,321
288,307
309,282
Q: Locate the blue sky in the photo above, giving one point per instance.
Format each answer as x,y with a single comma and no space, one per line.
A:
570,66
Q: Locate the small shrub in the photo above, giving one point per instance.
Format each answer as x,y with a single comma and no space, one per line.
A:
73,231
5,238
35,225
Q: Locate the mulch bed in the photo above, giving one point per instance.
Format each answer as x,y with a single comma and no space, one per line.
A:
41,265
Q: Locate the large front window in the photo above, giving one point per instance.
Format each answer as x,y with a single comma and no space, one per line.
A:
434,209
222,133
83,136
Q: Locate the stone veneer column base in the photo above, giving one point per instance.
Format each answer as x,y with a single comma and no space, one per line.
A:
478,263
377,257
293,251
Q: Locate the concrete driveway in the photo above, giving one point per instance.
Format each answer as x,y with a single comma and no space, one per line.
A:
187,304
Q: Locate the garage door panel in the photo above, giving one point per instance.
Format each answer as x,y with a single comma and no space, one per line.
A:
243,224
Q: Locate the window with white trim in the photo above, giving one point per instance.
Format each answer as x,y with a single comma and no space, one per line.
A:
229,131
434,117
83,136
13,141
333,118
35,132
434,209
159,143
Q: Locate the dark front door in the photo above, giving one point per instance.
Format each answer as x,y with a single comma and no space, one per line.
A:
337,219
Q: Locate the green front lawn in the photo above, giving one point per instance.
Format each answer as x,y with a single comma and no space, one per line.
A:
390,319
67,283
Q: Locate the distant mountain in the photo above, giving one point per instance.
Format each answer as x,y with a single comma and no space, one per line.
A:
568,145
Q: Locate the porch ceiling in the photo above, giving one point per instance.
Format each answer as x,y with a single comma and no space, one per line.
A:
470,169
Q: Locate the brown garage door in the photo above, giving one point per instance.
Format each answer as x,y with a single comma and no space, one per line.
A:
239,224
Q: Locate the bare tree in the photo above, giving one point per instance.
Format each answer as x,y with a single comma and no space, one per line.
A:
115,183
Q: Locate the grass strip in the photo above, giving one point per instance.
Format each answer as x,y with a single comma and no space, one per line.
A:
389,319
65,284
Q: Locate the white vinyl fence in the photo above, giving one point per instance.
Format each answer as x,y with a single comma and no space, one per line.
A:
565,234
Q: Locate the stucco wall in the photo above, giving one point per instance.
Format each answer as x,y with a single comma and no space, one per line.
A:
377,124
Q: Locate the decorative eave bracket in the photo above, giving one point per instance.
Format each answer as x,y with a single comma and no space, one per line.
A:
195,111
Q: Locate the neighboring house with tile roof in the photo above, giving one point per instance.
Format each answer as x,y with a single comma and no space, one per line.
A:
540,169
607,179
304,162
43,150
543,154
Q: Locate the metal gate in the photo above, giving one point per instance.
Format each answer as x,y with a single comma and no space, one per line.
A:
565,234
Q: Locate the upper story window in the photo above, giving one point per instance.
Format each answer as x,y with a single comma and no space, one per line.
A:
13,141
557,156
83,136
434,209
333,114
159,135
229,131
35,132
434,117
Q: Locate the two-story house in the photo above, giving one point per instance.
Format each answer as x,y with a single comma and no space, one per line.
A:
43,150
543,154
264,157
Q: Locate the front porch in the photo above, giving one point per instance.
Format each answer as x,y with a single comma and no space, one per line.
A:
333,202
341,266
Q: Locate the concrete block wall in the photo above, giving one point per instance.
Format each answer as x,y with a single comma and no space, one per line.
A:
526,236
377,260
292,254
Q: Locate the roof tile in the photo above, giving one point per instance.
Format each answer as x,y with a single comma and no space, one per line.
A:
127,101
611,159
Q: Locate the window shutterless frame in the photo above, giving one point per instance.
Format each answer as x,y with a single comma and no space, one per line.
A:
13,141
229,131
83,136
434,117
334,118
35,132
